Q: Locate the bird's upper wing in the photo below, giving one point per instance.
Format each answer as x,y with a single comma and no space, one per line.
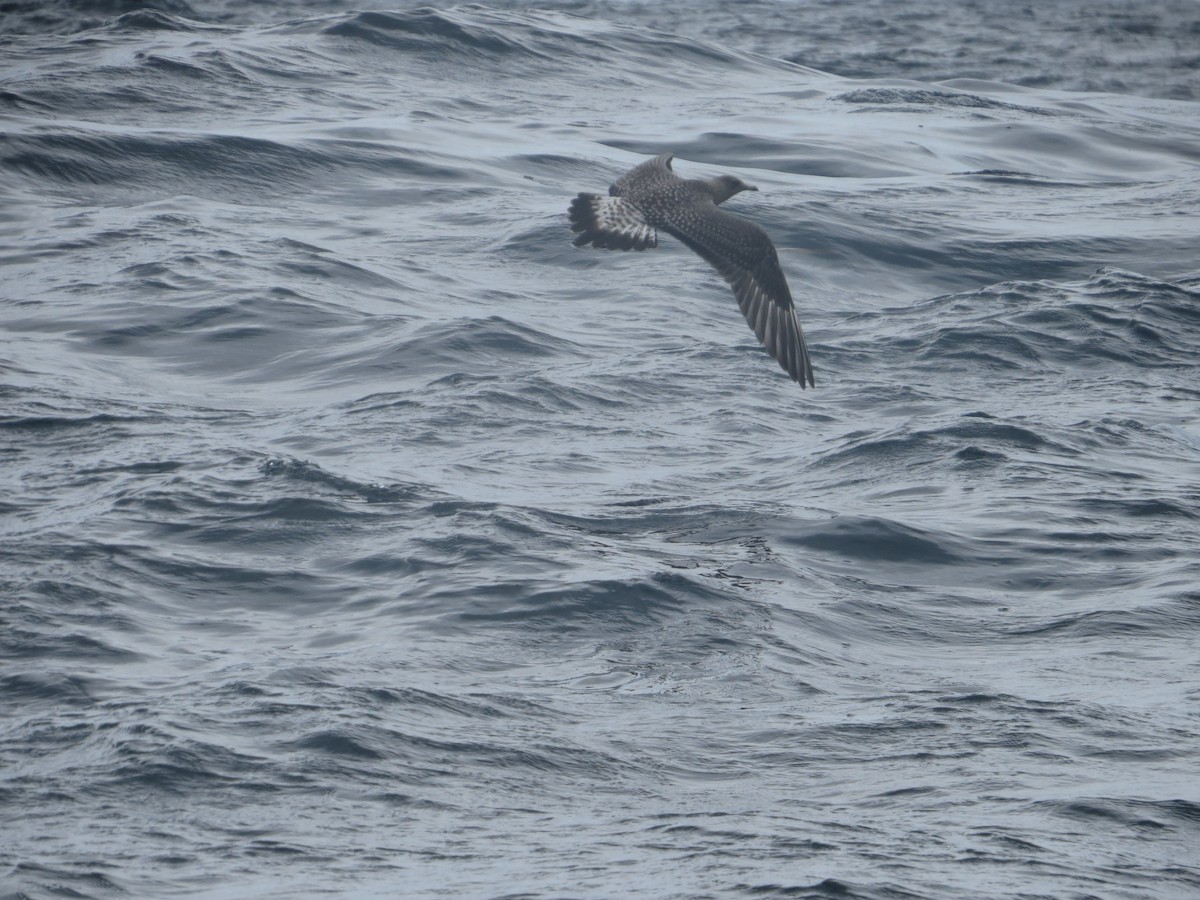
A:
616,222
645,176
744,256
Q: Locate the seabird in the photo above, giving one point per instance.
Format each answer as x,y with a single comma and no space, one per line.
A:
650,197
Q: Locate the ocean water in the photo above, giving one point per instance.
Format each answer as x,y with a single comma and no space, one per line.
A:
362,537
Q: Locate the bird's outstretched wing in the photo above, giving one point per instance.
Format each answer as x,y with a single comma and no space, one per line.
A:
744,256
616,222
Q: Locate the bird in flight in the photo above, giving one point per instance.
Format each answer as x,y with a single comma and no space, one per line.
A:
650,197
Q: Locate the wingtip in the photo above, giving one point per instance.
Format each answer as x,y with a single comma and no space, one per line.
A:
801,377
804,369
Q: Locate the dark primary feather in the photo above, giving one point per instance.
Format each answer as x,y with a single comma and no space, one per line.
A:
651,196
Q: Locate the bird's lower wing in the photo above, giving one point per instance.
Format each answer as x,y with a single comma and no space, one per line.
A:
745,257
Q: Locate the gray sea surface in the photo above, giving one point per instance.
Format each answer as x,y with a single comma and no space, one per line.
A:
360,536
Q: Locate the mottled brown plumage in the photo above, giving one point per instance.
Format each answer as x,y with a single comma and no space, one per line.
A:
651,197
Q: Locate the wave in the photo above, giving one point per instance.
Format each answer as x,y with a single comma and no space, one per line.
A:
934,100
1022,330
223,167
542,39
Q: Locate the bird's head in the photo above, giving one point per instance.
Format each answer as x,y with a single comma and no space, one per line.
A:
725,186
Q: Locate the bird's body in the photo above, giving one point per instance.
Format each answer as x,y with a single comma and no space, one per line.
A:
651,197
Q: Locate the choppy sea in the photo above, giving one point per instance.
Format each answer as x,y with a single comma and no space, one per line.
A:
359,536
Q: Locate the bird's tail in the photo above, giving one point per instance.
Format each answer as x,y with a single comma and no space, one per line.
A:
610,223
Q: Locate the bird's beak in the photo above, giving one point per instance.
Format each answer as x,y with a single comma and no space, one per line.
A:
749,187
